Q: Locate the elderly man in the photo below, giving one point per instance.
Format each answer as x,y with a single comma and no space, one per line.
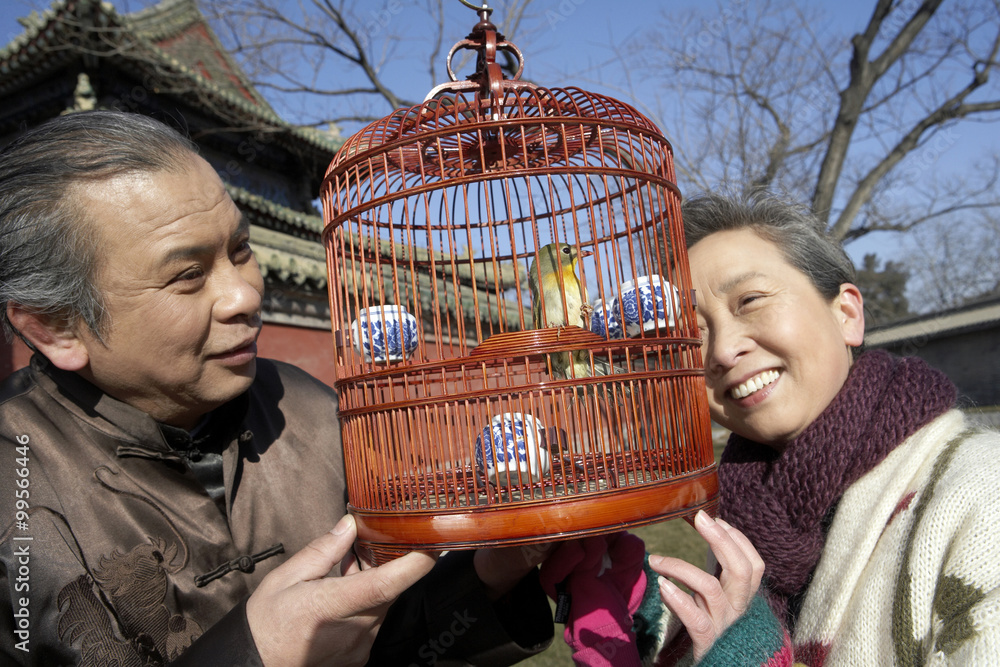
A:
168,495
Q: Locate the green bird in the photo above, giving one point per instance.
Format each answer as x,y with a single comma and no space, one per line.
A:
565,303
553,280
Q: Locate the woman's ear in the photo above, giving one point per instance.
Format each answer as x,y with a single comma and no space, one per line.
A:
59,343
850,308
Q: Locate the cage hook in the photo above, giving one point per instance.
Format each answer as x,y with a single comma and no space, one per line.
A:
479,8
484,13
488,78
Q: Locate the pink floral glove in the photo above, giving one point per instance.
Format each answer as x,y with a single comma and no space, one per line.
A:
601,578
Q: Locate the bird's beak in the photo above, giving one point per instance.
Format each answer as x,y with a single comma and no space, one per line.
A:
586,253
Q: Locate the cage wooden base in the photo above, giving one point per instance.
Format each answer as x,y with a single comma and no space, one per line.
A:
383,535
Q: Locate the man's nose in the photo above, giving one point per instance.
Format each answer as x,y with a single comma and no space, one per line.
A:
240,293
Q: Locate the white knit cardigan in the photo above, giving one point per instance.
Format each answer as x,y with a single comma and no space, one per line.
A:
910,572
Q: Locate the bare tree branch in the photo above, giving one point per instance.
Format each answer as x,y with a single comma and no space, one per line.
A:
952,265
355,51
951,109
760,100
864,75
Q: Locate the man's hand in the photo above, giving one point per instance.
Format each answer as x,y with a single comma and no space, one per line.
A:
500,569
298,616
715,603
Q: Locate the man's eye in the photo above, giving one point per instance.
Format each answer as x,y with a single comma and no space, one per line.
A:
190,274
243,250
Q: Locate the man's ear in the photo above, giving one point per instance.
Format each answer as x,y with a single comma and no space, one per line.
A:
59,343
851,310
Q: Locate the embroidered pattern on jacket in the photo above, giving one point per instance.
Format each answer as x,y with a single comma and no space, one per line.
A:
136,584
128,589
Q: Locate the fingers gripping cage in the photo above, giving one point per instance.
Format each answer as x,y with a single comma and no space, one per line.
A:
459,431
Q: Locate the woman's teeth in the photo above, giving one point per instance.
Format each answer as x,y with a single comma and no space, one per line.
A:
754,384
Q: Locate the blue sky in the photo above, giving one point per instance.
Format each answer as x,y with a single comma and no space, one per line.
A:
570,39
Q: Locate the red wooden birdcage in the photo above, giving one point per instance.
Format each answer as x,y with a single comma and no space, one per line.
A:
462,423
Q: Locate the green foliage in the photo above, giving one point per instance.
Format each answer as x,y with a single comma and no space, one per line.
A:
884,290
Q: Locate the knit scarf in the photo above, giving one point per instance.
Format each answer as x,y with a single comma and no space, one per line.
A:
781,501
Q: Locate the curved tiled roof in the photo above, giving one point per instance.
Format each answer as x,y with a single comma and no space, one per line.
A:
30,54
178,27
155,33
291,269
290,221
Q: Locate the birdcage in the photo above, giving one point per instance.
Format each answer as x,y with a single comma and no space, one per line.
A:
517,355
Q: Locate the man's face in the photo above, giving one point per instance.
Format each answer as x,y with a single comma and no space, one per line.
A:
182,289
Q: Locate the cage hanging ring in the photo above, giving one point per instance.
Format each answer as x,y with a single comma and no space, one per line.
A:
477,46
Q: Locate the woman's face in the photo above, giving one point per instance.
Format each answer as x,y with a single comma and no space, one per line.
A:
776,351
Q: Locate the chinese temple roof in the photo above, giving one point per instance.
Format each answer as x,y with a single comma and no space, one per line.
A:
170,41
166,61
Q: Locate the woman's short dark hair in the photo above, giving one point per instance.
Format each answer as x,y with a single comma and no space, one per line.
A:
798,234
48,246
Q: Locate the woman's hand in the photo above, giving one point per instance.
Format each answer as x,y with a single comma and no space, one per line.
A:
714,603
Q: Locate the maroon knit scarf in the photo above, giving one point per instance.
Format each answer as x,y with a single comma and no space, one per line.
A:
780,500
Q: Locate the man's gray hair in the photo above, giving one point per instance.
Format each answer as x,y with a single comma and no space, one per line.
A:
798,234
49,247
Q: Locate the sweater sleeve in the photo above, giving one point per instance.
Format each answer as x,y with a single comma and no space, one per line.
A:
949,584
447,616
970,634
756,639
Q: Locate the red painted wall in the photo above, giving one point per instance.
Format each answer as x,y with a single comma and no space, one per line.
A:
309,349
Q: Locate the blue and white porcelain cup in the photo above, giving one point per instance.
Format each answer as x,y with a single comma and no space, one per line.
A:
614,328
518,440
385,333
648,303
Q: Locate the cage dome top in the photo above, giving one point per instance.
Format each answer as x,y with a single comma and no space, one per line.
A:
490,122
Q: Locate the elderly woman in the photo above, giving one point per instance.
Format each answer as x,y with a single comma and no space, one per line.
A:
870,500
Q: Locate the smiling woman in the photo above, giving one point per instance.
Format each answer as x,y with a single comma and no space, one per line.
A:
851,491
755,311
